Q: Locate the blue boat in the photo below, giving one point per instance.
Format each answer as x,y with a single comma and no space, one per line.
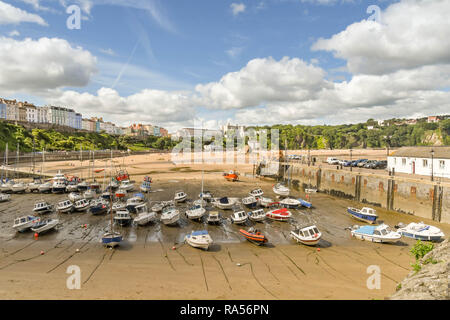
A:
146,186
365,214
111,239
304,203
98,209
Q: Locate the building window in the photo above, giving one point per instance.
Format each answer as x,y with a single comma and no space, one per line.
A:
441,164
425,163
404,161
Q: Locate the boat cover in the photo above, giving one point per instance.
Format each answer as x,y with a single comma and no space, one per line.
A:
224,200
199,233
366,230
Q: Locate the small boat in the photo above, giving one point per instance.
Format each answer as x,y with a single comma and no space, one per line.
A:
213,217
34,186
199,239
24,223
41,207
45,187
44,225
157,207
250,202
111,239
132,203
81,205
127,185
89,194
195,212
239,217
205,195
18,187
257,193
59,187
95,186
365,214
119,205
231,176
6,187
121,193
290,203
144,216
381,233
75,196
98,209
304,203
310,190
257,215
282,214
281,190
307,234
421,231
82,186
4,197
107,194
180,196
146,185
224,203
65,206
170,215
200,202
122,175
113,185
266,202
72,187
122,217
253,235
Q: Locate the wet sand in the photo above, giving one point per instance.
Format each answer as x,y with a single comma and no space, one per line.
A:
145,266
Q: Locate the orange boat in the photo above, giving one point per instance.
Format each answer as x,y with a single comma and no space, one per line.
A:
231,176
254,236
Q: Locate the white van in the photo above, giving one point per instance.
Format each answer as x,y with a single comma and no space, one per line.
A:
332,161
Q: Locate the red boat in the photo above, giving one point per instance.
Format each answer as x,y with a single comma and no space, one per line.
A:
254,236
121,193
282,214
122,175
231,176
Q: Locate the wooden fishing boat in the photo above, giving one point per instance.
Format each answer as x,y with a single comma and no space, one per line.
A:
365,214
282,214
122,217
253,235
199,239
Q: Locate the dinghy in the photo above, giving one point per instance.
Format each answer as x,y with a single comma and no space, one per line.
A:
290,203
365,214
304,203
42,207
257,193
199,239
122,217
44,225
195,212
65,206
144,216
239,217
231,176
380,234
421,231
4,197
213,217
170,216
250,202
257,215
281,190
180,196
253,235
307,234
282,214
24,223
224,203
81,205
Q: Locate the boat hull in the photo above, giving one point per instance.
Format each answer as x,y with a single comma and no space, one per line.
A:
372,238
111,241
258,239
306,242
361,216
420,237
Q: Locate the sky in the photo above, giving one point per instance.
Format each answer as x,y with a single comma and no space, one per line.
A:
176,63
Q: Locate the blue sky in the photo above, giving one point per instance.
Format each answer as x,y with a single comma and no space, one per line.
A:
174,45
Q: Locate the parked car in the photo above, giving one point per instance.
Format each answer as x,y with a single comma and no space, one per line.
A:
362,162
332,161
381,164
343,162
371,164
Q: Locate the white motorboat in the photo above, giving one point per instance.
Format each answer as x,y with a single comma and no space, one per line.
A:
24,223
19,187
195,212
180,196
133,202
199,239
45,187
123,217
281,190
257,215
239,217
421,231
6,187
75,196
257,193
127,185
44,225
170,215
290,203
282,214
72,187
157,207
307,234
205,195
266,202
213,217
41,207
250,202
64,206
4,197
82,186
119,205
58,187
200,202
381,233
144,216
89,194
224,203
81,205
34,186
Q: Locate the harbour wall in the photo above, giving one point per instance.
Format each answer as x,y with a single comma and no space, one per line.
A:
417,197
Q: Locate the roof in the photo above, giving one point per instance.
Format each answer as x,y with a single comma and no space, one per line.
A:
423,152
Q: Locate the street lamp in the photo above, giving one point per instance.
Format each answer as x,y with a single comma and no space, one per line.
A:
432,158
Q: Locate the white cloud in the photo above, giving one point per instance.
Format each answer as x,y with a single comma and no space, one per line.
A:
234,52
412,33
109,52
14,33
12,15
44,64
237,8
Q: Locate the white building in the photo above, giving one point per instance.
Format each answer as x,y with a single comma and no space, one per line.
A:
418,160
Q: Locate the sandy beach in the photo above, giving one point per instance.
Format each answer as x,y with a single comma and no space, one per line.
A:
154,263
